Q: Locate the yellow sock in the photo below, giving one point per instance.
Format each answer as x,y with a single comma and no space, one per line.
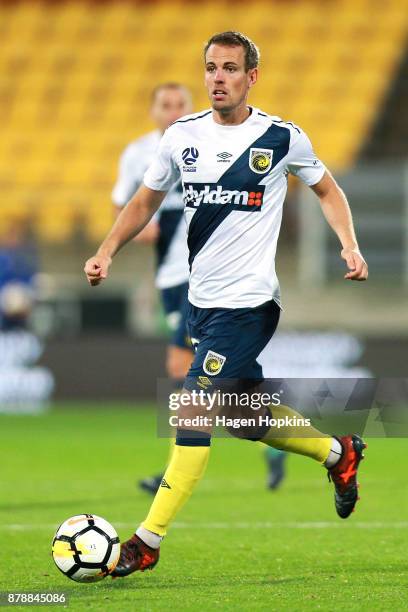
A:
313,444
172,442
186,467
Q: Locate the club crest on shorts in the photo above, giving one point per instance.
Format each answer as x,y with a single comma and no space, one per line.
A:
260,160
213,363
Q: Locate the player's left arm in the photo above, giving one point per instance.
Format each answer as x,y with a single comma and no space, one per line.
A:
130,178
337,212
303,163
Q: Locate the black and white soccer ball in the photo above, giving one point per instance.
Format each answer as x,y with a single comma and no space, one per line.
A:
86,548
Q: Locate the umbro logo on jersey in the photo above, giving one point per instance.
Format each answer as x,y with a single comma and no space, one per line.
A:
190,156
199,193
224,156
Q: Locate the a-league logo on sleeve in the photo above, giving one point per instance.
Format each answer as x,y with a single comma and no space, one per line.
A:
190,155
213,363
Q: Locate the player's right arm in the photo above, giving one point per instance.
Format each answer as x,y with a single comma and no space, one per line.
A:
132,219
148,234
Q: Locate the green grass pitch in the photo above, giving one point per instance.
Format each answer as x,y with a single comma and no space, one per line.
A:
234,546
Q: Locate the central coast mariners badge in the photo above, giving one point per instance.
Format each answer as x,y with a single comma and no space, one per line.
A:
260,160
213,363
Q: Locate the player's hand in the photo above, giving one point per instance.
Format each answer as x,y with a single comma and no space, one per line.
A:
358,269
96,269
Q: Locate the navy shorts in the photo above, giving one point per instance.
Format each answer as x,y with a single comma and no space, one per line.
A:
176,305
227,342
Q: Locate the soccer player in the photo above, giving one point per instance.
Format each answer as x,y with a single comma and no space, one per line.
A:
233,160
167,230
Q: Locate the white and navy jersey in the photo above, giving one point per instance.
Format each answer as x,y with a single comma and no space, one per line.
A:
171,247
234,184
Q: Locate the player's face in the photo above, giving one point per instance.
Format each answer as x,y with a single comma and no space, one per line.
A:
226,79
169,105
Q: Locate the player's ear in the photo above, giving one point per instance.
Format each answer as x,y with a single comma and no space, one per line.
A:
253,76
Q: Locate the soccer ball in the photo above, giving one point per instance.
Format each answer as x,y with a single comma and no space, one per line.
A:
86,548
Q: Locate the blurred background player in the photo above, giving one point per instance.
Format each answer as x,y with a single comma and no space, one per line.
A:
167,231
